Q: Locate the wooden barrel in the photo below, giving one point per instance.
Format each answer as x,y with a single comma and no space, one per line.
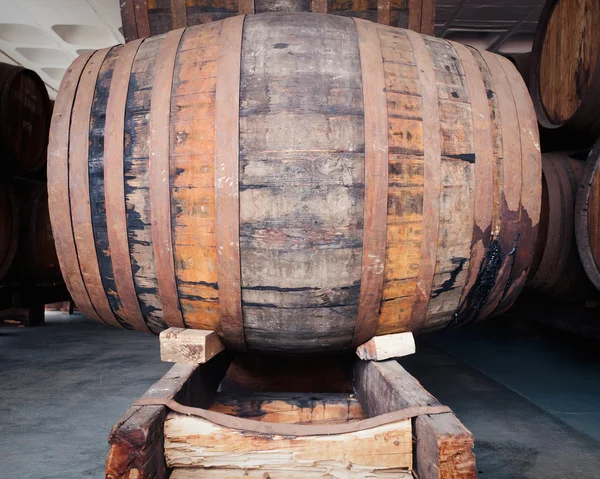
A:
587,217
24,121
565,65
296,182
9,228
142,18
556,269
522,62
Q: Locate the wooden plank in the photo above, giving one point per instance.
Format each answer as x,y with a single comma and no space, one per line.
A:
58,187
443,445
267,473
432,180
136,441
383,11
318,6
227,200
428,17
291,408
388,346
141,18
191,346
160,194
114,185
128,20
415,8
376,180
79,188
190,441
245,7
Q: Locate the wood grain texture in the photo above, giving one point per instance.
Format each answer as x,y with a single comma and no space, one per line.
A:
376,181
114,187
227,182
301,239
192,176
288,408
189,441
191,346
136,156
178,14
79,188
387,346
58,189
298,473
432,179
128,20
443,445
158,178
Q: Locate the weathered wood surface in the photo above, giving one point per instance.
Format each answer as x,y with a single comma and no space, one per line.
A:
387,346
565,65
587,217
136,441
292,408
558,269
191,346
24,121
153,17
190,441
297,473
443,445
463,183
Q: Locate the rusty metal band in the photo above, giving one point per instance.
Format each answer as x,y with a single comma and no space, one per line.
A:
178,14
58,188
79,188
484,165
531,173
376,181
159,178
142,18
128,20
511,172
286,429
318,6
227,196
383,11
114,186
414,15
246,6
432,150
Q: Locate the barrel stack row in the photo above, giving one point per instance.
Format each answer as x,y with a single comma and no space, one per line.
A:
296,182
26,246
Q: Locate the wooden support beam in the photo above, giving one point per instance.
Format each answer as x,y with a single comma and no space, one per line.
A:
452,17
189,346
514,29
443,445
302,473
137,440
387,346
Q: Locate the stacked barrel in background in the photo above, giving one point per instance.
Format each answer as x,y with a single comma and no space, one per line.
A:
27,253
296,182
142,18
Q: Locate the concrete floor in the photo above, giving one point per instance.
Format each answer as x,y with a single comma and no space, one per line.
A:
63,386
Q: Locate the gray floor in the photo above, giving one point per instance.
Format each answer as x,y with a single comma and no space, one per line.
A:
62,387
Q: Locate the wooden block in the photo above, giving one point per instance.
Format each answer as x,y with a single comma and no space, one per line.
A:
298,473
190,346
444,447
386,347
30,316
195,442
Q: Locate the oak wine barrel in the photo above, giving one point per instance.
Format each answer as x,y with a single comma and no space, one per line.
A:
587,217
142,18
9,228
565,66
24,121
556,269
296,182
